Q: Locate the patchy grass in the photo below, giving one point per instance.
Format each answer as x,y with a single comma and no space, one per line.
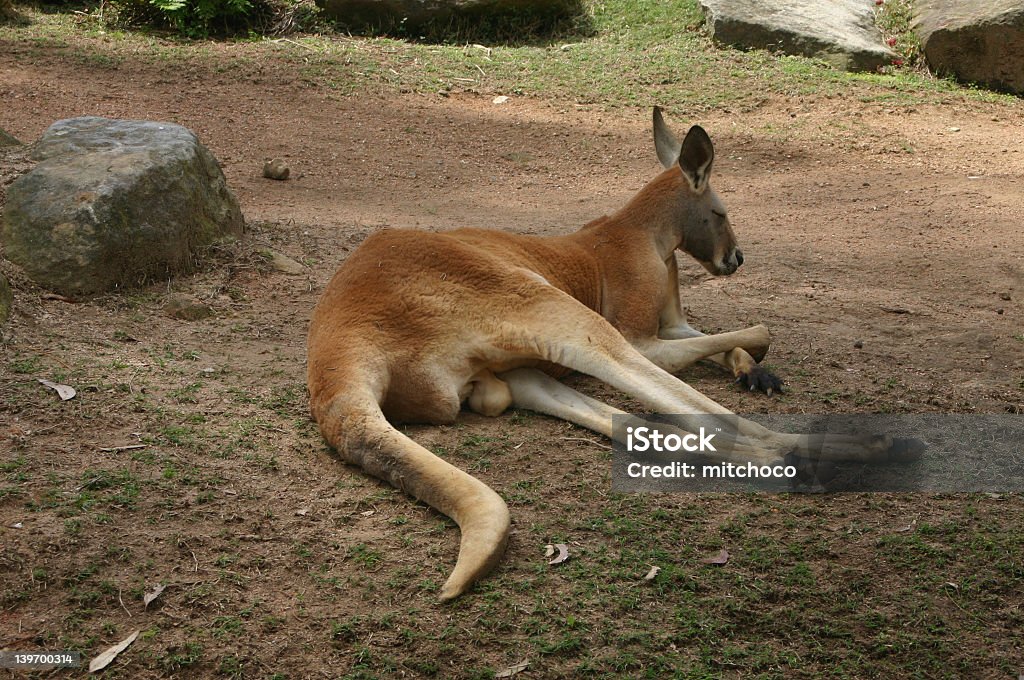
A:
639,52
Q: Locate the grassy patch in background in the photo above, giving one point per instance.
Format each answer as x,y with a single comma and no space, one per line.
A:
634,53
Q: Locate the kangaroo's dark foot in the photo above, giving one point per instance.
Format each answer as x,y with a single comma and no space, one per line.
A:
906,450
812,472
759,379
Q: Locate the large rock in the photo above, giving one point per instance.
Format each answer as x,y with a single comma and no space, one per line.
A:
979,41
115,203
840,32
413,13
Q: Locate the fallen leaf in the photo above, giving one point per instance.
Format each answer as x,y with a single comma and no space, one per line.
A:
17,525
549,550
367,513
302,512
152,595
718,560
514,669
652,573
563,553
105,658
63,391
500,99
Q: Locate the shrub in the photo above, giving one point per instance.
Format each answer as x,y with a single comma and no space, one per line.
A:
203,18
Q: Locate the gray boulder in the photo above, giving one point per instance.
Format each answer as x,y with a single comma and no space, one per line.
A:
412,13
115,203
839,32
980,41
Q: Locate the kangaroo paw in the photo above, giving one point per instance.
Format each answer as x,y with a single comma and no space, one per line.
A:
758,379
812,472
906,450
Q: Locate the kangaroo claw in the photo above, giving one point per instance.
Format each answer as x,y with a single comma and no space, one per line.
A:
759,379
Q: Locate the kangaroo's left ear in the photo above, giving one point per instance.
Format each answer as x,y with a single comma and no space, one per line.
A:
696,157
664,141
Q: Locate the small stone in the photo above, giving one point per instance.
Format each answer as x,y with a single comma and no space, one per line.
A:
1004,296
276,168
1000,310
187,308
500,99
858,344
283,263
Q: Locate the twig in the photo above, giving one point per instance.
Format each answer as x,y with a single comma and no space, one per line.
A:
297,44
589,441
122,603
130,447
55,296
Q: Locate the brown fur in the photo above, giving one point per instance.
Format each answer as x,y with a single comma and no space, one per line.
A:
416,324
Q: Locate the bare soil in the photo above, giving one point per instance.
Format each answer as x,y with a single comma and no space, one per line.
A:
883,248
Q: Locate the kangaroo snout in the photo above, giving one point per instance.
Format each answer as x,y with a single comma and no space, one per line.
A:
730,263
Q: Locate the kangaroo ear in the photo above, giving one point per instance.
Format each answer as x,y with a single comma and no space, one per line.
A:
664,141
696,157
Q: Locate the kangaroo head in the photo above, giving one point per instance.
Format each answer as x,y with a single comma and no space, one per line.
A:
705,231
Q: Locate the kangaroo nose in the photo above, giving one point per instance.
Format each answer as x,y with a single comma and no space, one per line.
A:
739,257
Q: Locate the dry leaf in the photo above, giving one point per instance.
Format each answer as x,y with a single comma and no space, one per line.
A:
302,512
652,573
63,391
105,658
718,560
514,669
367,513
549,550
563,553
152,595
500,99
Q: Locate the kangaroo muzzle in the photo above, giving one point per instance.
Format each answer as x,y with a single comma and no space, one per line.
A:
730,263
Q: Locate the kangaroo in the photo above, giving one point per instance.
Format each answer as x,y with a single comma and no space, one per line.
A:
416,324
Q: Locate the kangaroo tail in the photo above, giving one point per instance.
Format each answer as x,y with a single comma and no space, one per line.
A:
356,427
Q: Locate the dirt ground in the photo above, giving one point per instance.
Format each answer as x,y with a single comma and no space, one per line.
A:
883,248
